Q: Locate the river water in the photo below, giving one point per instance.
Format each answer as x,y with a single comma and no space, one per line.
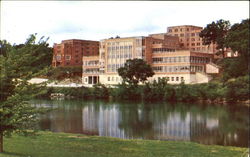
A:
206,124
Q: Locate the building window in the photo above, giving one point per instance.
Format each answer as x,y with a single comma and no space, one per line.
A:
177,78
182,35
67,57
176,30
170,30
187,29
193,34
172,78
182,79
193,39
108,78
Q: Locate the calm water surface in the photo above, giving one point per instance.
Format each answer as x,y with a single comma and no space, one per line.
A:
206,124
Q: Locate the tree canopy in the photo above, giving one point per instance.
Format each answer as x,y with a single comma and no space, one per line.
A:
238,38
216,33
17,66
135,71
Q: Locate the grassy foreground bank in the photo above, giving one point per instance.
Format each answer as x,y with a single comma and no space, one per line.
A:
48,144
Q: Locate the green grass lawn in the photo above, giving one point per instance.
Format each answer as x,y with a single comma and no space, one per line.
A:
48,144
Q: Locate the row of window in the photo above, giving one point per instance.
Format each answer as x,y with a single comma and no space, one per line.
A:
114,67
91,63
114,79
163,50
187,35
126,55
117,43
177,59
177,78
180,29
187,68
113,48
91,71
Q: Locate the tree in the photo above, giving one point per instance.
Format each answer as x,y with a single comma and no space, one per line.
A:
4,47
216,33
135,71
238,39
17,66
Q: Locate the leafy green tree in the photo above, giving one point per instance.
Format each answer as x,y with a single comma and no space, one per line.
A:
233,67
17,66
238,39
216,33
135,71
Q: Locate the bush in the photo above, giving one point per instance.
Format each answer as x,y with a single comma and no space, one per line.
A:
127,92
186,93
237,89
100,91
158,91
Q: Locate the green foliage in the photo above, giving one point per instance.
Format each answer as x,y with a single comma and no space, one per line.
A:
126,92
209,91
17,66
216,32
135,71
233,68
4,47
185,93
237,89
100,91
238,38
158,91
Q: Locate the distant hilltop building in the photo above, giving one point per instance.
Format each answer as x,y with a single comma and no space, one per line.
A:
177,55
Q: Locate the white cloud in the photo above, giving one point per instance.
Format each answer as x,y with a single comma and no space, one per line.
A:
97,20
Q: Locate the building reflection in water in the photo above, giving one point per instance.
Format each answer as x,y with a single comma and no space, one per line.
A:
104,122
173,126
136,121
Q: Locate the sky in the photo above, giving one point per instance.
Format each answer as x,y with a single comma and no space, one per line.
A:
97,20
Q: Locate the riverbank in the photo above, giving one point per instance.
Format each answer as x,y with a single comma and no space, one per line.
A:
48,144
234,91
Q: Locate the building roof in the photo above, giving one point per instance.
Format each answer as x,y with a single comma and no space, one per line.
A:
185,26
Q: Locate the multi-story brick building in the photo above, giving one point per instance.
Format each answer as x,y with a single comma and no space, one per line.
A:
190,39
161,51
70,52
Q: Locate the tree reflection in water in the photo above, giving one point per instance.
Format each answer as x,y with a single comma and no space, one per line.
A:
207,124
